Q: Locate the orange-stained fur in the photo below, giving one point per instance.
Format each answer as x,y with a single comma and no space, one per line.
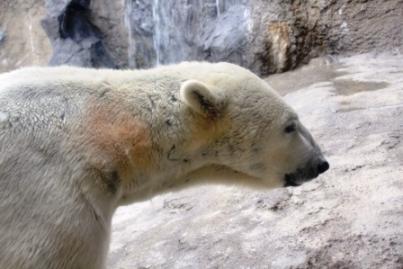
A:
118,138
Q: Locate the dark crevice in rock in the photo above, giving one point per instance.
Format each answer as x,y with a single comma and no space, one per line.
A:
75,39
74,23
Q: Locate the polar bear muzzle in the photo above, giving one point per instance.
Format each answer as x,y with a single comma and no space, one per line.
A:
315,163
311,171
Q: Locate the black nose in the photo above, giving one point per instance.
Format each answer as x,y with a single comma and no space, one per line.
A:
322,167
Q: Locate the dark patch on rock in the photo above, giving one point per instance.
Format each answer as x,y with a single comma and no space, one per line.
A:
74,23
2,37
75,39
350,87
177,205
173,98
274,201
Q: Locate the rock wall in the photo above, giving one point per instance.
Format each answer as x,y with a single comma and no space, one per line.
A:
170,31
265,36
289,33
22,39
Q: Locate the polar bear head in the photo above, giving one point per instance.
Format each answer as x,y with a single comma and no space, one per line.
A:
259,134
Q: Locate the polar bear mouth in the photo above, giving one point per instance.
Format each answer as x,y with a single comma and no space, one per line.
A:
299,177
308,173
291,181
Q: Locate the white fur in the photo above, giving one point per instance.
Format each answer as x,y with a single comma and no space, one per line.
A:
60,181
188,91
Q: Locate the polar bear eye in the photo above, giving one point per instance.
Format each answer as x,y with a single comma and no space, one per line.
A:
290,128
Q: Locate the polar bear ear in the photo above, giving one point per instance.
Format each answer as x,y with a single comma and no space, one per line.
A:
200,98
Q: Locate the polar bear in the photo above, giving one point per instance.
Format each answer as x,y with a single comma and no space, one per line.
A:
76,143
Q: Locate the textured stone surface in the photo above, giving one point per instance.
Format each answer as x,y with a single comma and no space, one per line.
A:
351,217
170,31
288,33
108,16
75,39
24,41
265,36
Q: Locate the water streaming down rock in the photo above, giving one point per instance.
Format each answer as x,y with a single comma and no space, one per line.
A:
217,3
157,33
264,36
164,32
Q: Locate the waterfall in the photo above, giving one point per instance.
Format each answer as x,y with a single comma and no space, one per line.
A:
171,31
157,31
217,5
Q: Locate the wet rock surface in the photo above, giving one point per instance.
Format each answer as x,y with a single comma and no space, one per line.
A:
264,36
267,37
165,32
350,217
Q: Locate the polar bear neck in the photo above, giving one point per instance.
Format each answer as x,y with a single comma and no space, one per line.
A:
175,155
151,149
